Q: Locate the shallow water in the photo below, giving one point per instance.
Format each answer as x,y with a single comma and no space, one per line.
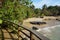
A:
53,33
51,30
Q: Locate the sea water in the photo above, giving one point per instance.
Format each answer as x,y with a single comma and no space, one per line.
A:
53,33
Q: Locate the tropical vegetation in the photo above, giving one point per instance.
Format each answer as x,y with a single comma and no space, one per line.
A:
18,10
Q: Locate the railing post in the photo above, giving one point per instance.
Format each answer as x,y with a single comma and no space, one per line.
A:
18,33
31,36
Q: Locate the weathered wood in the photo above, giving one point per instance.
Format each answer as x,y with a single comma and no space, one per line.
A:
25,34
18,33
32,32
31,36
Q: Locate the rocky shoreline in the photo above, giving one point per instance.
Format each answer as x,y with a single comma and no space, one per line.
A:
51,21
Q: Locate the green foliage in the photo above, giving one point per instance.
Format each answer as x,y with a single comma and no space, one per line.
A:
42,15
16,10
22,9
54,10
37,12
0,21
51,10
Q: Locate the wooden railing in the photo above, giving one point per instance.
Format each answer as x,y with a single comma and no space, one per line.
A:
25,33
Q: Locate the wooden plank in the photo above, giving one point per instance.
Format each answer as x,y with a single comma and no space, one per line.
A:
38,35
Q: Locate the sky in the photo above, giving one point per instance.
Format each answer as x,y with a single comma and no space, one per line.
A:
40,3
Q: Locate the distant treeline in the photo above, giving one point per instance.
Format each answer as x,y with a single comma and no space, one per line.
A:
22,9
48,11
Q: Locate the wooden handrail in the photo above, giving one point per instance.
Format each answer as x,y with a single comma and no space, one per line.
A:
32,32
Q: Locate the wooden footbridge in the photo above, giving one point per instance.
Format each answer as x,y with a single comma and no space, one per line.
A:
22,33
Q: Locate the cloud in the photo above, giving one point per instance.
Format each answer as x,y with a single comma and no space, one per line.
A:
40,3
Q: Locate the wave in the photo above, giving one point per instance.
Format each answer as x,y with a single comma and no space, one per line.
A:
47,29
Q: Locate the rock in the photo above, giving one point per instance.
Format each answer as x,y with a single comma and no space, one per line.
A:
38,23
34,28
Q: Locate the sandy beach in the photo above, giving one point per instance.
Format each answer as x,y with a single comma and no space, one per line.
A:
49,23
